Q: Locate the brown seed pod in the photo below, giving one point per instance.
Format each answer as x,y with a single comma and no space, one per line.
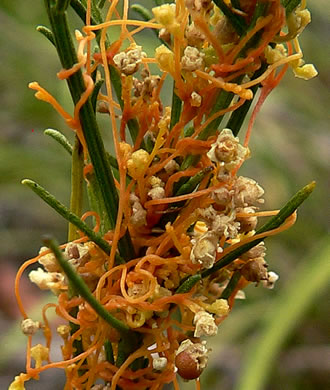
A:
191,359
188,366
255,270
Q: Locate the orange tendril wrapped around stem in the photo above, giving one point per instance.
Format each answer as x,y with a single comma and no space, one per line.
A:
180,197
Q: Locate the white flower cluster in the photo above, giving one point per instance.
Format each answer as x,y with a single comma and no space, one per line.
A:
227,152
129,61
51,277
235,202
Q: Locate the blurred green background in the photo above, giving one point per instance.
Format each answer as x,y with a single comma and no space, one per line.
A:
290,147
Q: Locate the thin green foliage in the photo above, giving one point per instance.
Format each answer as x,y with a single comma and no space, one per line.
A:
60,138
67,214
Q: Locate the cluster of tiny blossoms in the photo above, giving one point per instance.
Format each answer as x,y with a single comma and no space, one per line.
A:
181,198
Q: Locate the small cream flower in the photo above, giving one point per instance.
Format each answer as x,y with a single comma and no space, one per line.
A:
159,363
297,21
129,61
275,54
139,214
204,324
136,290
225,225
171,167
247,192
194,36
157,191
48,261
204,250
195,99
249,223
227,150
272,277
257,251
47,280
222,196
255,270
192,59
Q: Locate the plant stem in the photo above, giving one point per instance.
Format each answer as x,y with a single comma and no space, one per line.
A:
95,93
77,182
237,21
96,150
96,202
237,117
62,5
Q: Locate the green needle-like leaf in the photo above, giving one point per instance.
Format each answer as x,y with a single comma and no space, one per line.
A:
193,182
142,11
226,293
109,352
223,100
101,4
95,93
290,5
60,138
96,150
47,33
188,284
77,183
237,117
67,214
176,108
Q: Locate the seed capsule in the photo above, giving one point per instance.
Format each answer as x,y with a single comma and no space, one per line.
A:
188,367
255,270
191,359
